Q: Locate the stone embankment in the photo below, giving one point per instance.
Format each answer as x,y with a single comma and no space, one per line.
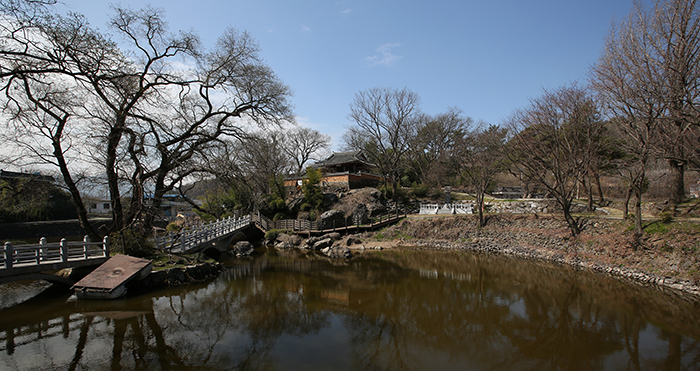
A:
528,207
333,245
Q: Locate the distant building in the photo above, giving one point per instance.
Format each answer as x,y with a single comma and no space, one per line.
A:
348,170
97,206
345,162
171,206
11,176
509,192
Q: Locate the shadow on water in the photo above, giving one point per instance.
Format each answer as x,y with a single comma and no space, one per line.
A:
389,310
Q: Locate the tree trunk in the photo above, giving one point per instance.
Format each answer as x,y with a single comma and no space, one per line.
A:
589,190
596,177
628,196
480,208
676,182
638,217
75,193
573,223
113,140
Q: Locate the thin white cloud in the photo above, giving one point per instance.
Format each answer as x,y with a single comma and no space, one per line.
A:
305,29
384,56
346,11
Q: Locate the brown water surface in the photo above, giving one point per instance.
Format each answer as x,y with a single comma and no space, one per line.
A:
389,310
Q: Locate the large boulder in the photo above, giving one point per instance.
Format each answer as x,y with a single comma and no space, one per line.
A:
322,244
337,252
333,236
242,248
360,215
376,204
329,199
295,205
331,218
284,246
352,240
290,238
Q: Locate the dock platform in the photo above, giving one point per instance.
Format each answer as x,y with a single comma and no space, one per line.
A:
109,280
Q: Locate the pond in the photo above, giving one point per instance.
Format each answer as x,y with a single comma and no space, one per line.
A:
401,309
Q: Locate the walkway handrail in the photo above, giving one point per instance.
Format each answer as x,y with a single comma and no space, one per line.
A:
306,226
45,253
463,208
209,232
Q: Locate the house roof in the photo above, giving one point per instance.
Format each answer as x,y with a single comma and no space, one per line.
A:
14,175
341,158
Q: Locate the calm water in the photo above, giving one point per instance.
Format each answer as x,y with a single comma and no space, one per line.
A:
389,310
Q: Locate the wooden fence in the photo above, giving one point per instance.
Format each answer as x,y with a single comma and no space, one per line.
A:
334,225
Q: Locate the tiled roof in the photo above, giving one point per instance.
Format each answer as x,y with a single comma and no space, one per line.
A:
343,158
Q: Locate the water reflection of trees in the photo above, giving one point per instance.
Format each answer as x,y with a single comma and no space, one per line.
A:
402,311
499,313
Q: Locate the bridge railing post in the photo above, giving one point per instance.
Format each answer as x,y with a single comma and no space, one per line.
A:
42,249
64,250
9,252
86,243
105,246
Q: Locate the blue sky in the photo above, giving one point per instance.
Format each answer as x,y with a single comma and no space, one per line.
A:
485,57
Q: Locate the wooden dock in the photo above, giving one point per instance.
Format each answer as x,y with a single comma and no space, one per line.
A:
109,280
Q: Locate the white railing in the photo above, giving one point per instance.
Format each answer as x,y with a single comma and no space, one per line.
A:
45,253
431,209
189,239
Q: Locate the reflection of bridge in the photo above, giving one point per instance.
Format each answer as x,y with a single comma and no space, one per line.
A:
24,262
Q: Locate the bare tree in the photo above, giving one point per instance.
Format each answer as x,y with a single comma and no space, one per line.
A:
385,124
481,156
150,121
304,144
434,143
547,143
650,69
628,82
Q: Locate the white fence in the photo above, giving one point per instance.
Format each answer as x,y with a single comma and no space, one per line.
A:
432,209
45,253
190,239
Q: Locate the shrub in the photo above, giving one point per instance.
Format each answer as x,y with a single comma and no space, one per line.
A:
131,242
278,204
173,227
312,190
420,190
666,217
272,234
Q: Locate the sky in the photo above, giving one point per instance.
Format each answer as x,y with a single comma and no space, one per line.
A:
487,58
